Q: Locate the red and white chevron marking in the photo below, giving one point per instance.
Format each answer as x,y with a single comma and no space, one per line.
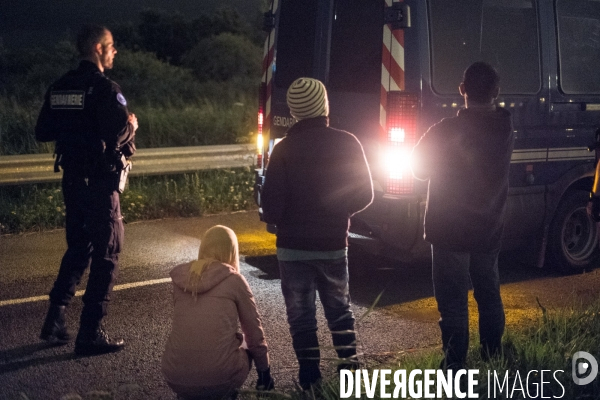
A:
392,67
267,74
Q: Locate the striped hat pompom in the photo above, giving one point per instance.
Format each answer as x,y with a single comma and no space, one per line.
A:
307,98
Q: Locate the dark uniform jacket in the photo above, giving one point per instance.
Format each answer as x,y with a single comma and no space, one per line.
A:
86,114
466,159
317,178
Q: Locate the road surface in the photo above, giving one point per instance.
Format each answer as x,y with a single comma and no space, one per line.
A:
405,318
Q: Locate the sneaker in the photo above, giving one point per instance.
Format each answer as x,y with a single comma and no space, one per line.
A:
309,375
97,343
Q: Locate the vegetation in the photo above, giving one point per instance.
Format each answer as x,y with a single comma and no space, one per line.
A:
547,345
39,207
190,82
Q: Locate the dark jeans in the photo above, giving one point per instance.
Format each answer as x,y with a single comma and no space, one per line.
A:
94,230
300,281
453,274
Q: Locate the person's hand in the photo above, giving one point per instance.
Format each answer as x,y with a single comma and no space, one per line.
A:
132,119
265,381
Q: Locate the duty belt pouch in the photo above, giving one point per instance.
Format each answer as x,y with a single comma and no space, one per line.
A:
123,176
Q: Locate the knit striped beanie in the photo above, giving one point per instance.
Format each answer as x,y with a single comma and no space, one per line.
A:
307,98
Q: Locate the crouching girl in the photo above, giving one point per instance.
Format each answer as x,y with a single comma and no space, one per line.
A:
206,356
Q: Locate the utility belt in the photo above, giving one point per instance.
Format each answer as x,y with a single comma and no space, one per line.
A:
111,164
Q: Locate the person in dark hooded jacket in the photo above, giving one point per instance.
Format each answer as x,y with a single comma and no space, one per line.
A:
317,178
466,160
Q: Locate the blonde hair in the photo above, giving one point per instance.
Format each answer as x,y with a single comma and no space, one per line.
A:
219,243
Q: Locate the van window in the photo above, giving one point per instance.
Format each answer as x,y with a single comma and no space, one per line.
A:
579,45
356,44
503,33
295,41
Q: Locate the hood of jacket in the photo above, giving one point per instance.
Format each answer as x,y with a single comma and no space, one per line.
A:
212,275
306,124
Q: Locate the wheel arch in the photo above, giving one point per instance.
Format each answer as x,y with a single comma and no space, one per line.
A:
581,178
578,179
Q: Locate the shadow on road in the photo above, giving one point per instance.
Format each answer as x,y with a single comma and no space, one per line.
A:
401,282
21,357
269,269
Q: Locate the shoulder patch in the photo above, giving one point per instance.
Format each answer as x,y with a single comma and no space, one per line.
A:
121,99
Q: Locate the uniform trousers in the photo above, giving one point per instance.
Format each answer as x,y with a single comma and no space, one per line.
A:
94,231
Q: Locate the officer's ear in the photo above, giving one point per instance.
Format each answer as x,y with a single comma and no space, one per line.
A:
98,49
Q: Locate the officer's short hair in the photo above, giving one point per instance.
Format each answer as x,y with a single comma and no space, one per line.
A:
88,37
480,80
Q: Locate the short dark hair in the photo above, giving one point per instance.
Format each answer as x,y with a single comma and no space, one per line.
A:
480,80
89,35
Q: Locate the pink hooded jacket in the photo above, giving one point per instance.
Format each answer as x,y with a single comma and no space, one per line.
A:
204,350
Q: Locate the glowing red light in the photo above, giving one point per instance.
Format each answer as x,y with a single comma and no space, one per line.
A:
402,135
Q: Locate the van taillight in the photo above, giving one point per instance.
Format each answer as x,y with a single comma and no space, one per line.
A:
261,116
401,138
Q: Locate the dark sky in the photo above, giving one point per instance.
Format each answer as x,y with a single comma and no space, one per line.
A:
27,22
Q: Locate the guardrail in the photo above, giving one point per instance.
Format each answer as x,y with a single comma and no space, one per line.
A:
39,168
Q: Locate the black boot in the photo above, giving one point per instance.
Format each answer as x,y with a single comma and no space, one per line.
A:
55,329
96,341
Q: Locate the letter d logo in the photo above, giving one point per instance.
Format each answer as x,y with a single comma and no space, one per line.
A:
582,368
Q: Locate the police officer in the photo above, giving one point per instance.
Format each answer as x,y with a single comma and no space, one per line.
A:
86,114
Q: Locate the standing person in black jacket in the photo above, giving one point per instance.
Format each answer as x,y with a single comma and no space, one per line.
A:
86,114
317,178
466,160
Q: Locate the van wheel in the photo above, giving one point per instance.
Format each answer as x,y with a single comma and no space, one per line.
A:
573,235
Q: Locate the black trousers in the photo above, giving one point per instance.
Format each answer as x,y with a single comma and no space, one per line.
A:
94,230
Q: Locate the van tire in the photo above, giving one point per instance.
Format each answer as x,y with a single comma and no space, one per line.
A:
573,235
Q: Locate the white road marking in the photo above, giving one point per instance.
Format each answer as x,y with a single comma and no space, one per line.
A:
81,292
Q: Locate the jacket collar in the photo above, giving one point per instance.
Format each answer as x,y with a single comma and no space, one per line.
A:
318,122
85,65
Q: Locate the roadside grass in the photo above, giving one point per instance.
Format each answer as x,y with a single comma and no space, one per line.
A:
40,207
200,122
548,344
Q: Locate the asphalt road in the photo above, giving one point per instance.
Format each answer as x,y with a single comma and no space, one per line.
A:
404,319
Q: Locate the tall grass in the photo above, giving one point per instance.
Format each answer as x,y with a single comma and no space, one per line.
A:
39,207
547,345
173,107
17,121
203,123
